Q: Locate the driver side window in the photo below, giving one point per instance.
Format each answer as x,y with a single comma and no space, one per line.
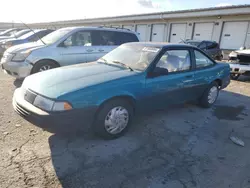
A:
81,38
175,61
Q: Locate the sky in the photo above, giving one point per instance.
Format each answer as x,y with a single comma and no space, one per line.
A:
30,11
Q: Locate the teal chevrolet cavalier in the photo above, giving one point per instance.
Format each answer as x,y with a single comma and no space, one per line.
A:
133,78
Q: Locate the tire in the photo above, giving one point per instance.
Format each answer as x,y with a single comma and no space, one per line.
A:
205,100
104,116
43,66
234,76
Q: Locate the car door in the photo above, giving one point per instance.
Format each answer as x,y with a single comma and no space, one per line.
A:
204,69
77,48
176,86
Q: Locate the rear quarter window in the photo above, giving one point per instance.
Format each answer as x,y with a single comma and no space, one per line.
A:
201,60
122,37
112,38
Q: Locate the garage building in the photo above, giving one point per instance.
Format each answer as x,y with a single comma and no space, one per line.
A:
229,26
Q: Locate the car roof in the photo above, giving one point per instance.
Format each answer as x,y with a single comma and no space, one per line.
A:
98,28
160,44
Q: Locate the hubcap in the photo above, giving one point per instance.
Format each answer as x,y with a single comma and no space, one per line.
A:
116,120
44,68
212,95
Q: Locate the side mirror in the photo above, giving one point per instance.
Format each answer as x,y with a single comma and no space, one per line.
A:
67,43
159,71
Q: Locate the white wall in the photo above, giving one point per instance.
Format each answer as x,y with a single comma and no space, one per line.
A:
157,19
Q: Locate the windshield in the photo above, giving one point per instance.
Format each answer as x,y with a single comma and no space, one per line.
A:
28,34
20,33
193,43
55,36
137,57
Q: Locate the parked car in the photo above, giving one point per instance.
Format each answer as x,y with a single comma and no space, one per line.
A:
239,63
31,36
65,46
212,48
2,30
15,35
9,32
130,79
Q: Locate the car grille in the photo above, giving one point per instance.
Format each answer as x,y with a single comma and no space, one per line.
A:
233,58
244,58
29,96
20,110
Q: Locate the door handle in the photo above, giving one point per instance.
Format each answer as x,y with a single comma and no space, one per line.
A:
101,50
89,50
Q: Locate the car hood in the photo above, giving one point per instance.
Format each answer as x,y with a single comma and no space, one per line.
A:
24,47
246,51
59,81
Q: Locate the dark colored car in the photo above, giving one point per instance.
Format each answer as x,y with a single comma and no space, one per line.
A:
212,48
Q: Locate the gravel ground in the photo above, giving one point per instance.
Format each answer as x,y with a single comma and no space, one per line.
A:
182,147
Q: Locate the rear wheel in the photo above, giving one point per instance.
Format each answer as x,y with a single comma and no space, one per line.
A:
113,119
43,66
234,76
210,96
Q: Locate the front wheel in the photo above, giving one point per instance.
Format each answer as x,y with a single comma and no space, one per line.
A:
234,76
113,119
43,66
210,96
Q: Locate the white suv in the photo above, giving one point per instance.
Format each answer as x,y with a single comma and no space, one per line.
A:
65,46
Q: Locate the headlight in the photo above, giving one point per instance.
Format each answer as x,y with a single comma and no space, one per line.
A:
50,105
43,103
21,56
61,106
7,44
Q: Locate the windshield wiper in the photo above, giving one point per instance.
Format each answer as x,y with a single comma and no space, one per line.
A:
124,65
105,61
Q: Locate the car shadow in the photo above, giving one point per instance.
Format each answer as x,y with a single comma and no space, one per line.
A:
148,151
18,82
244,79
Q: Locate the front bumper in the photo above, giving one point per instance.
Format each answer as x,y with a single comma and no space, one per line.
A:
17,69
56,122
225,82
238,68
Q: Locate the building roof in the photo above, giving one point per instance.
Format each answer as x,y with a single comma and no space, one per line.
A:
211,11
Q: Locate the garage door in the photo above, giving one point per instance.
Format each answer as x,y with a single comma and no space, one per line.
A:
157,34
178,32
203,31
233,35
142,31
130,27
